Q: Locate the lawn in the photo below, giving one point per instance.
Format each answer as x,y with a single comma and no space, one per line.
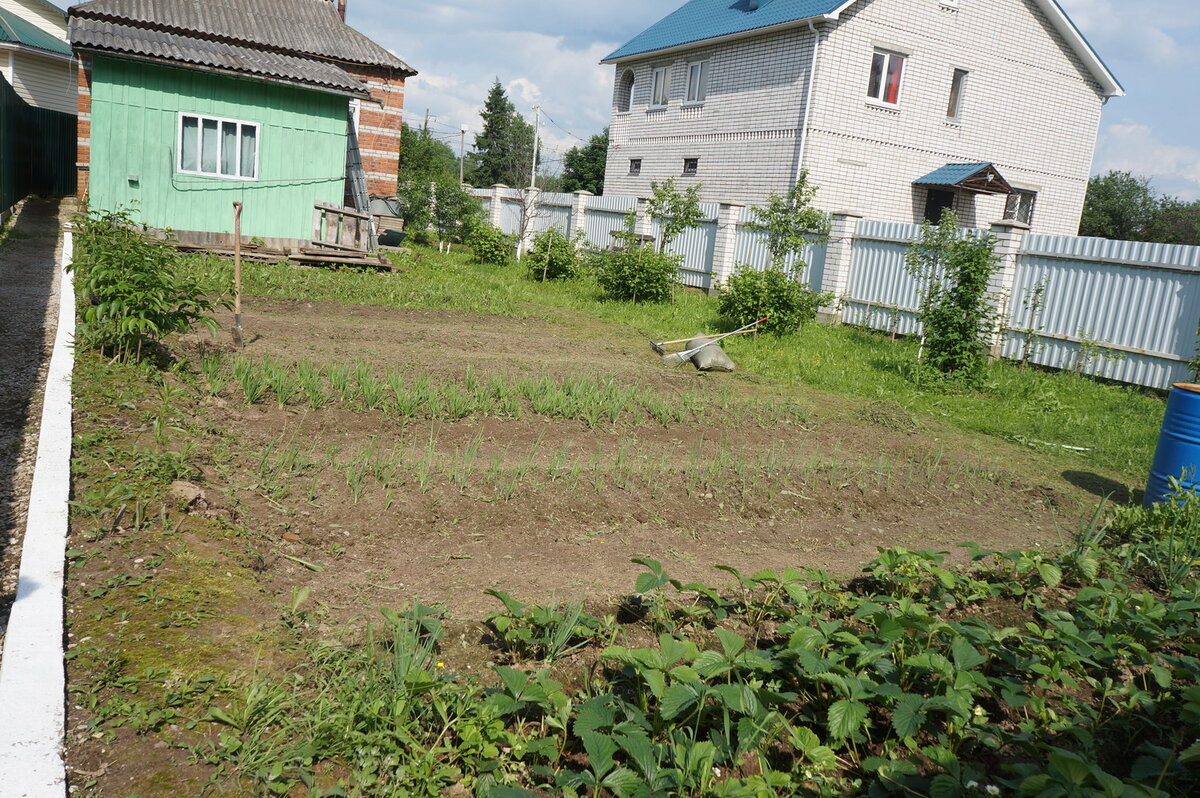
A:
507,470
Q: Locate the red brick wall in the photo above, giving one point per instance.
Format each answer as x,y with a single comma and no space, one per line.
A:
83,157
379,123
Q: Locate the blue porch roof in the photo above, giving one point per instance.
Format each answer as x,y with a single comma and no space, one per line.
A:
951,174
698,20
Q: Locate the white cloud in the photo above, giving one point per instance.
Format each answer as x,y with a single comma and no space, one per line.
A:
1130,146
1148,30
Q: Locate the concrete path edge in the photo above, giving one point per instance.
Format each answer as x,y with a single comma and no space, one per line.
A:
33,673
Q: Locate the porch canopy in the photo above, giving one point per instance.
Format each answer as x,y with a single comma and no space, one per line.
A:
977,178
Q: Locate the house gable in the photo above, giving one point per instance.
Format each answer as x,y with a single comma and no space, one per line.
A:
711,21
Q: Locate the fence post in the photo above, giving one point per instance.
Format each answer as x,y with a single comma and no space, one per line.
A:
1009,235
725,245
579,213
643,225
496,205
839,256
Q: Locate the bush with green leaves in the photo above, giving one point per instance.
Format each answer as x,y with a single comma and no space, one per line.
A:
554,255
675,211
751,294
490,244
637,274
136,291
953,268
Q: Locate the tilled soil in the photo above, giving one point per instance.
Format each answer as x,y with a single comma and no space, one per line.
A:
693,494
28,319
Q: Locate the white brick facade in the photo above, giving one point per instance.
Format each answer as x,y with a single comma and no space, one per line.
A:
1029,106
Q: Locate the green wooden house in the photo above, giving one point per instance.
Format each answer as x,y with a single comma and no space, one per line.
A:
186,107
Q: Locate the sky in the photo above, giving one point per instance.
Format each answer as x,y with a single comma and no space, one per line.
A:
546,52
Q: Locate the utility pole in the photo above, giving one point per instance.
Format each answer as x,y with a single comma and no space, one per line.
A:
462,145
537,124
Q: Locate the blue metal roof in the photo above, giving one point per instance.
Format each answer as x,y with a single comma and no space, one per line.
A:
698,20
952,174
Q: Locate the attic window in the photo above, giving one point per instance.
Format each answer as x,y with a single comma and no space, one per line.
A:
218,147
697,86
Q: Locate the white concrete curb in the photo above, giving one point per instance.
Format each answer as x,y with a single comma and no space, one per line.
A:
32,672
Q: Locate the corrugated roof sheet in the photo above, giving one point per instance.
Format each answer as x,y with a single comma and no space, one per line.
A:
310,27
16,30
952,174
698,20
94,33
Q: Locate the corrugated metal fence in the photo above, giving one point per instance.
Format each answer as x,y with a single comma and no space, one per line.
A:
1127,311
37,149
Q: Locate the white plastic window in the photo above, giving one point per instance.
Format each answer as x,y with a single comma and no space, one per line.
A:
697,85
887,70
218,147
661,88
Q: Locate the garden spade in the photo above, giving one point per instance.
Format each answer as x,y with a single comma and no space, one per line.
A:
679,358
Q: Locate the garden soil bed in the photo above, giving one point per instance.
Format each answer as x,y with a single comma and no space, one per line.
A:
865,484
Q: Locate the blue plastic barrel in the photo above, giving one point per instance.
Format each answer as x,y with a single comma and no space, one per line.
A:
1178,452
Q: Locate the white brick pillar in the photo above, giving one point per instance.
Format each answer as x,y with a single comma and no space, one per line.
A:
579,212
644,226
496,205
839,256
725,246
1009,235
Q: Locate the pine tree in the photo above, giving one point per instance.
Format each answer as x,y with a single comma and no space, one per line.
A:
504,148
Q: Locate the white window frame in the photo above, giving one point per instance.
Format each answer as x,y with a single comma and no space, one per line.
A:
221,121
888,55
697,82
955,114
1019,194
661,79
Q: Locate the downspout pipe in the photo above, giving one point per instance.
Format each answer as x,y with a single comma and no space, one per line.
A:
808,100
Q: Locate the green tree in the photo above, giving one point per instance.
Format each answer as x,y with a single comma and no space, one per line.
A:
1177,222
583,167
674,210
1119,205
790,222
424,158
455,212
504,148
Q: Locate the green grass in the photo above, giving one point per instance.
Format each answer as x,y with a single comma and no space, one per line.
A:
1110,427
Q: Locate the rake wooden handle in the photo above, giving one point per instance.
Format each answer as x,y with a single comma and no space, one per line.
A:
693,337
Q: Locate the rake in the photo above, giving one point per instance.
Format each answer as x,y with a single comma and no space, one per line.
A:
679,358
657,346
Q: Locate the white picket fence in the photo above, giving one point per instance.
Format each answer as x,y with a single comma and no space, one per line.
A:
1136,304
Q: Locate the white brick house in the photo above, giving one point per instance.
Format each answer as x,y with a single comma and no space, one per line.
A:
723,93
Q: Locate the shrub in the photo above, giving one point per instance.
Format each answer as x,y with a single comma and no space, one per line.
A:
675,211
137,293
750,294
637,274
554,255
490,245
957,318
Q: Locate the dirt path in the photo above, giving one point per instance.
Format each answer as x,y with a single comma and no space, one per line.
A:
28,318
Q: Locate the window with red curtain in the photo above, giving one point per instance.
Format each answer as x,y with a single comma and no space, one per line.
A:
887,69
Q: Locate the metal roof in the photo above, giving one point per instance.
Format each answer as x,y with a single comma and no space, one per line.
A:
112,37
703,20
977,177
18,31
308,27
699,20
